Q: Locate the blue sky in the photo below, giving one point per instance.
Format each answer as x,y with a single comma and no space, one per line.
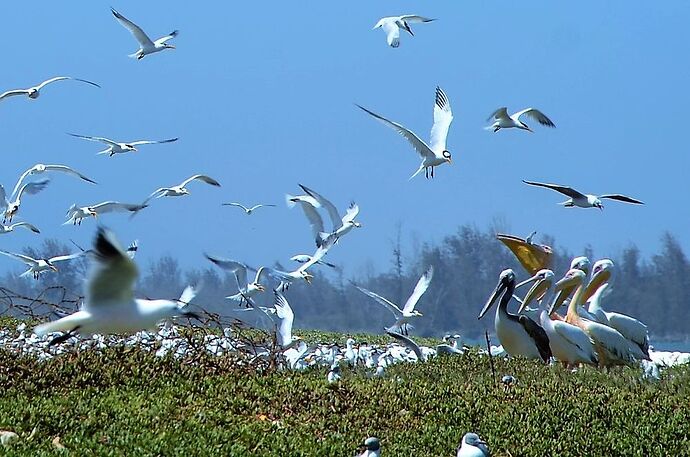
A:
261,95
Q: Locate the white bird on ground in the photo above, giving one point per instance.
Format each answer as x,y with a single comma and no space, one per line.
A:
341,226
408,343
435,153
334,373
10,228
42,168
180,189
502,120
403,316
304,258
115,147
392,25
146,46
247,210
75,213
473,446
35,91
109,305
38,266
12,207
247,290
370,448
583,200
284,330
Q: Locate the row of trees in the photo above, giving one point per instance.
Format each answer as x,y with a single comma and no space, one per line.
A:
466,266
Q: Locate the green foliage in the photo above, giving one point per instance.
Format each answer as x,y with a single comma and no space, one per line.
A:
127,402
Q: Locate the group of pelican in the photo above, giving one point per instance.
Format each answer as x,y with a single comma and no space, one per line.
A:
587,334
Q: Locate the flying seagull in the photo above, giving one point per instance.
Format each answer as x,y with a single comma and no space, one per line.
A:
38,266
247,210
34,92
115,147
583,200
247,290
180,189
12,207
502,120
341,226
146,46
109,305
309,205
435,153
75,213
304,258
42,168
392,25
10,228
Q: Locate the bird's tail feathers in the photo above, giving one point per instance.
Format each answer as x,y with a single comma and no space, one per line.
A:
288,200
419,170
105,151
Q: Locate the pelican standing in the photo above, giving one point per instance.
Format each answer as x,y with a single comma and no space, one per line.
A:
503,120
392,25
583,200
146,46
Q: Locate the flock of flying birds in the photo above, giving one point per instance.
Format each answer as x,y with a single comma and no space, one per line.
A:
585,335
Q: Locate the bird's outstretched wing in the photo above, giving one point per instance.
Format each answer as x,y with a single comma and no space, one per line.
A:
32,188
565,190
31,227
536,115
500,113
622,198
351,213
135,30
310,212
99,139
63,78
238,205
21,257
14,92
237,268
116,207
203,178
419,289
443,116
286,316
62,258
390,306
167,37
407,342
420,146
112,274
140,142
326,203
414,19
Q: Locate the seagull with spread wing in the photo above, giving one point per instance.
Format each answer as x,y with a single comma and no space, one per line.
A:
583,200
38,266
403,316
503,120
247,290
34,92
109,305
180,189
435,153
392,25
247,210
146,46
12,207
40,168
75,214
309,205
115,147
341,226
10,228
288,277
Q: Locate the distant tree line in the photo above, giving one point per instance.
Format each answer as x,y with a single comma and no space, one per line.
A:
466,267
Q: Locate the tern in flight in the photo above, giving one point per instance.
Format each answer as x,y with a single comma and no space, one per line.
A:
12,207
583,200
115,147
42,168
146,46
75,213
38,266
435,153
247,210
502,120
247,290
34,92
180,189
392,25
341,226
10,228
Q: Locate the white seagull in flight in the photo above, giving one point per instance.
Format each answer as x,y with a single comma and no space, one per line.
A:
247,290
34,92
392,25
109,305
502,120
42,168
12,207
341,226
583,200
180,189
146,46
38,266
247,210
435,153
75,213
10,228
115,147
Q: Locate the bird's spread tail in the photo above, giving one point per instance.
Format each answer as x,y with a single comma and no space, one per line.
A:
419,170
289,200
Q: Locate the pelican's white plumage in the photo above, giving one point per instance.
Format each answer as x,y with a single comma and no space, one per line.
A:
115,147
40,168
503,120
392,25
436,153
35,91
146,45
583,200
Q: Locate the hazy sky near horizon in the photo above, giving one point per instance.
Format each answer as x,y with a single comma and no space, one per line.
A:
262,97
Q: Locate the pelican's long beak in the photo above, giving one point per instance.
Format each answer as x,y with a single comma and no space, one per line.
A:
496,293
526,281
537,291
599,278
565,287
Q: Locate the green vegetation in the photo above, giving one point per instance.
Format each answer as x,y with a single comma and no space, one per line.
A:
127,402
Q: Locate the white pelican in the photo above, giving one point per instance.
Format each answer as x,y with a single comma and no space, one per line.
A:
583,200
612,347
392,25
115,147
146,46
599,285
38,266
12,207
304,258
109,305
75,213
503,120
35,91
568,343
519,335
473,446
10,228
533,257
435,153
403,316
180,189
341,226
247,290
309,205
42,168
247,210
